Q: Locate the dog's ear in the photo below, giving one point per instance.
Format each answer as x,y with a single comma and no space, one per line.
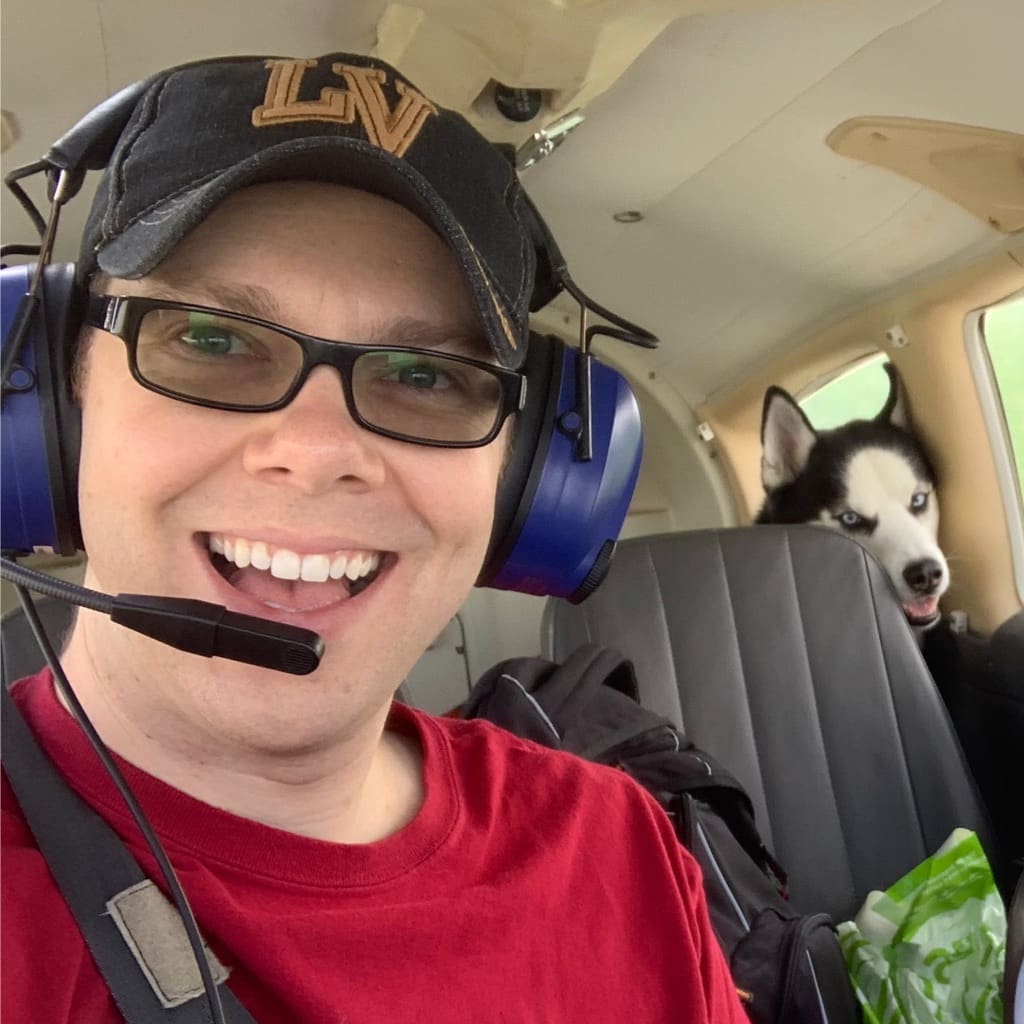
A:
787,438
896,409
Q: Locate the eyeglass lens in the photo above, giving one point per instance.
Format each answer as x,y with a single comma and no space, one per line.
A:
231,362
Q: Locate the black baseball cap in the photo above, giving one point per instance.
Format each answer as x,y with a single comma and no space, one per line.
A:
202,131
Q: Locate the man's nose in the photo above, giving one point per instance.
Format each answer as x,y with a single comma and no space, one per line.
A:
313,443
923,576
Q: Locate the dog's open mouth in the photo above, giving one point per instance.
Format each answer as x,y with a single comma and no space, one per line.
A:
285,580
924,611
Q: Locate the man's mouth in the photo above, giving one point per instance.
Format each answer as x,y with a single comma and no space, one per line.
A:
286,580
923,611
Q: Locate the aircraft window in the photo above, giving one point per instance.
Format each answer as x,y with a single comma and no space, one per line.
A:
1002,328
857,393
995,351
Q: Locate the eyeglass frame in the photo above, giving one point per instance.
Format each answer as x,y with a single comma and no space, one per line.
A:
122,316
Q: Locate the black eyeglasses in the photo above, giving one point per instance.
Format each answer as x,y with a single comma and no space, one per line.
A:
224,360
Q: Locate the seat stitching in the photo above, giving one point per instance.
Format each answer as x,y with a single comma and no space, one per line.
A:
667,633
794,576
752,732
892,704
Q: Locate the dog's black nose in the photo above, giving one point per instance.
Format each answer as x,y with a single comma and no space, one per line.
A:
923,576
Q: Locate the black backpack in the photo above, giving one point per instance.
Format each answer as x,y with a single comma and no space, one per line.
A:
787,966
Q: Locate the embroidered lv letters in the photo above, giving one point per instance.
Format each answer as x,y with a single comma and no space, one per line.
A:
393,130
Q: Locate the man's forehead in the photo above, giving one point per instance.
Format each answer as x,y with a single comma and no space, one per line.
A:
233,296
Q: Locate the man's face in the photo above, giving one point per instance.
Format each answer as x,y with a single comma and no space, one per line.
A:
160,478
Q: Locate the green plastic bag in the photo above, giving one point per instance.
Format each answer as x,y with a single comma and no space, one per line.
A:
930,949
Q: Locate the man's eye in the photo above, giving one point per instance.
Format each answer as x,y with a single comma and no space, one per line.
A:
423,377
417,373
850,519
919,501
214,340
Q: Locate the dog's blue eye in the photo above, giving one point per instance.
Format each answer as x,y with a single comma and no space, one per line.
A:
849,519
919,502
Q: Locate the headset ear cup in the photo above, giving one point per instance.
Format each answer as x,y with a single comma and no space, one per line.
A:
40,421
561,513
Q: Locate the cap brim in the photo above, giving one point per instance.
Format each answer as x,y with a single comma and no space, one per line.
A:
141,246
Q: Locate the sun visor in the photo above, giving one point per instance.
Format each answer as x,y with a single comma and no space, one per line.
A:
980,169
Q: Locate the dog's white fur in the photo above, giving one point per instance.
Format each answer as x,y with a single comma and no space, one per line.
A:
880,485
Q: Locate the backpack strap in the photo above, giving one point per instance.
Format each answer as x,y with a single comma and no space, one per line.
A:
587,705
132,930
504,695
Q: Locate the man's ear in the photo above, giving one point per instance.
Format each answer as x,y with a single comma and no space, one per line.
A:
787,438
896,409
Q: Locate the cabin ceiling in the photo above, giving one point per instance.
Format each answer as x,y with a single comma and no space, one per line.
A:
709,117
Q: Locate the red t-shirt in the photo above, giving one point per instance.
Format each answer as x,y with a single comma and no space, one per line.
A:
531,886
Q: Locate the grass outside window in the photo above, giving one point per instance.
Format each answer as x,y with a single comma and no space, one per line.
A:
1003,330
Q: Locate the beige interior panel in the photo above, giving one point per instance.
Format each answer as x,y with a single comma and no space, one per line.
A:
947,416
571,50
980,169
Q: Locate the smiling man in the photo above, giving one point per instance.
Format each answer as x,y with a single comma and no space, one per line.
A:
299,364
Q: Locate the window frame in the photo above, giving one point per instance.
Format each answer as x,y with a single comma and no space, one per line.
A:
823,380
1001,444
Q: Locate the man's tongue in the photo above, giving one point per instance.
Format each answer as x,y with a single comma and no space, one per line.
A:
293,595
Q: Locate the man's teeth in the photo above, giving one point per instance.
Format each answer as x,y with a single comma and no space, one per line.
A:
289,565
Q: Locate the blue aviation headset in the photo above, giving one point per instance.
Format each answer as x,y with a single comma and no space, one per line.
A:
577,443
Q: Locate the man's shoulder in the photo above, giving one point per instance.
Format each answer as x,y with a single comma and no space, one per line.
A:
479,737
521,773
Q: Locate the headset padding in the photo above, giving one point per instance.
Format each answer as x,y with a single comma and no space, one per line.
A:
55,342
531,435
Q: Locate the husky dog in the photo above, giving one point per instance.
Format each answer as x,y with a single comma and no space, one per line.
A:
869,479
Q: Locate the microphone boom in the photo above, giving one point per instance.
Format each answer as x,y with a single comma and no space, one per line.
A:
198,627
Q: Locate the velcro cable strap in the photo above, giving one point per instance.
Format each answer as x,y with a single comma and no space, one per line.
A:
150,925
136,946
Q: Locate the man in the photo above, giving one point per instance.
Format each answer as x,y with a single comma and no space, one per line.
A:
347,859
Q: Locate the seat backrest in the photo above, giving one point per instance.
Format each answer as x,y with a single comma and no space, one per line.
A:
783,652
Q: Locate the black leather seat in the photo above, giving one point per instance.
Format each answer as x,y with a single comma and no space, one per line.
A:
783,652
